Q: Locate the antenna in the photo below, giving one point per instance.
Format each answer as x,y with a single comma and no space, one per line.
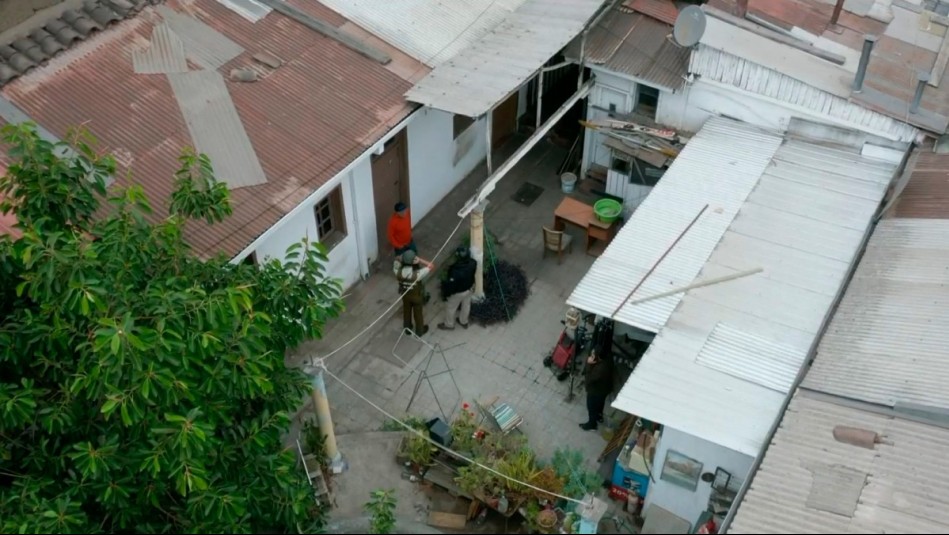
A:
689,26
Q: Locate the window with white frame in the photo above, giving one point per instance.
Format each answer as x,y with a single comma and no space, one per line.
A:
330,219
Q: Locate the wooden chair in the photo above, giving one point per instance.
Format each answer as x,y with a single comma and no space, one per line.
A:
557,241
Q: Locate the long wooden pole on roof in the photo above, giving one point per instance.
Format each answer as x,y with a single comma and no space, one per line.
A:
656,264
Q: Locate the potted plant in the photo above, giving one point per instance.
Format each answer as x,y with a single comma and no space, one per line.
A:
419,452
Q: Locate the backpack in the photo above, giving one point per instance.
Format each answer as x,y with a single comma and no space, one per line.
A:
410,282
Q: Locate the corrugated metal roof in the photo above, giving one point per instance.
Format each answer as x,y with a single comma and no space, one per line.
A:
204,45
726,68
634,44
888,341
803,223
718,167
662,10
216,128
927,193
907,477
903,49
491,68
307,119
751,358
431,31
164,54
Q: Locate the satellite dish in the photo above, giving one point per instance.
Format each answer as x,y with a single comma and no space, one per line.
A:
689,26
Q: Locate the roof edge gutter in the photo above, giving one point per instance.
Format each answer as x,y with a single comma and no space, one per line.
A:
326,187
806,365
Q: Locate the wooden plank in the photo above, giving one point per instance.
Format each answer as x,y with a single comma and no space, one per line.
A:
447,520
280,6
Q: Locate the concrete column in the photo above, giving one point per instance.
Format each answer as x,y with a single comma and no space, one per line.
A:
322,407
477,248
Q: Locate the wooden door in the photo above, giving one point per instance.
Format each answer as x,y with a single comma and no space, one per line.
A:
390,184
504,121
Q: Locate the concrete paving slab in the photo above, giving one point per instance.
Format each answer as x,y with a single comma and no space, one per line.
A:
503,360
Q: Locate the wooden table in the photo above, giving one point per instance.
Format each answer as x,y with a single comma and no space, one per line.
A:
581,214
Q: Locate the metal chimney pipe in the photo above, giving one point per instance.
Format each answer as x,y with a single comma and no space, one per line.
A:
920,86
742,8
868,42
836,15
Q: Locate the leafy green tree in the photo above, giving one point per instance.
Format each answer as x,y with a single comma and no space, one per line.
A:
143,389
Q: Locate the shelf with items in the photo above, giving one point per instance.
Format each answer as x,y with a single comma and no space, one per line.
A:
633,467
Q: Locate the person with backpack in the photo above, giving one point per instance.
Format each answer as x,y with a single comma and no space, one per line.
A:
457,288
410,271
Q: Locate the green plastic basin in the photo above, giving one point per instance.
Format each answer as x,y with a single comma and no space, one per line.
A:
607,210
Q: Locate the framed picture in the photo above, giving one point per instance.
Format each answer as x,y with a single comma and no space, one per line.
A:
681,470
722,478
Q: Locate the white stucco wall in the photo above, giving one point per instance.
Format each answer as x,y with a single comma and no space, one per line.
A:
682,502
344,258
437,163
690,108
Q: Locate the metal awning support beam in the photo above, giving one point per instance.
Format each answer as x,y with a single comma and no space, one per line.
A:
509,164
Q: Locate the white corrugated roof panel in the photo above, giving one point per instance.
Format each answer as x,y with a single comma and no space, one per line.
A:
888,340
713,64
489,69
906,479
430,31
803,224
718,167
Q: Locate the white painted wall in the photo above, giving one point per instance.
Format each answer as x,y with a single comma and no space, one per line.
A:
344,261
608,89
437,163
689,109
364,213
682,502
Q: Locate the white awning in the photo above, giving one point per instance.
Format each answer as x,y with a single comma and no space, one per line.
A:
493,67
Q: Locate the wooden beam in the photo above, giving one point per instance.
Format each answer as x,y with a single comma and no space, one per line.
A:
328,30
939,66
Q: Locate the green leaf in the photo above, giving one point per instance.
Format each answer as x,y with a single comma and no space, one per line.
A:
115,343
108,406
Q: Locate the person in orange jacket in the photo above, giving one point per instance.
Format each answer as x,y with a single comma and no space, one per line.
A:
400,230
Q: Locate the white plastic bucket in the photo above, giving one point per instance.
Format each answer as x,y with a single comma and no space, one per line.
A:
567,182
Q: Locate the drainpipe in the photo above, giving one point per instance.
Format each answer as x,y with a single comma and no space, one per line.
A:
742,8
487,135
868,42
360,256
836,15
540,97
923,78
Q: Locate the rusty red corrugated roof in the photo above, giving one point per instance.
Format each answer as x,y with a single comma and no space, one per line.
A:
926,195
307,119
890,81
661,10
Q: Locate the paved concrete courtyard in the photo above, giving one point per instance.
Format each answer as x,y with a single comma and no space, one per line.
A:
503,361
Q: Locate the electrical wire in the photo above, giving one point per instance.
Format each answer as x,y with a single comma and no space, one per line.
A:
450,451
